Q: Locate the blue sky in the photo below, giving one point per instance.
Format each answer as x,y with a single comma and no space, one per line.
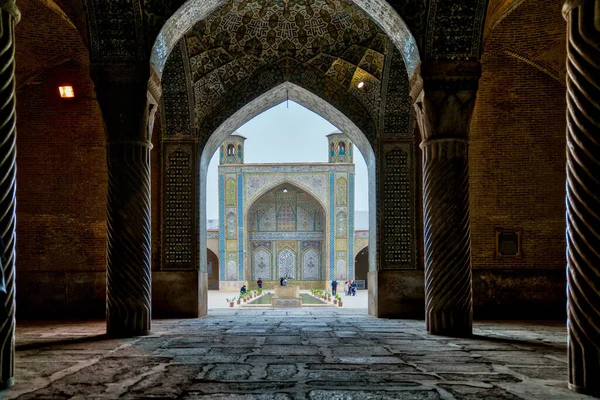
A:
287,133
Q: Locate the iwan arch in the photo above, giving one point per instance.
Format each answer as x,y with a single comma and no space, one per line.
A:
293,220
180,77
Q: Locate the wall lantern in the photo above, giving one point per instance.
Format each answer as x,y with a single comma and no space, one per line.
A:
66,92
361,84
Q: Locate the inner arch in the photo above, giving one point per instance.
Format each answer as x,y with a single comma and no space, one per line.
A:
277,95
317,105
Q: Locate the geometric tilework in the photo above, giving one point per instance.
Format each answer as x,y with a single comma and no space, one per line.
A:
179,208
331,226
351,226
240,213
222,226
397,207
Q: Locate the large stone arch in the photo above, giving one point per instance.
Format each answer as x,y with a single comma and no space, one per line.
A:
385,129
396,160
192,11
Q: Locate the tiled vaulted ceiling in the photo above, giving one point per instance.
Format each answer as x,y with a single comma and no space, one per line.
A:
334,39
261,31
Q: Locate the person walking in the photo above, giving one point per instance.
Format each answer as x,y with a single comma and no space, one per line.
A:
259,283
333,286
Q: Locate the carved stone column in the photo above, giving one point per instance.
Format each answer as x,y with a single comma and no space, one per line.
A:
9,15
583,194
122,95
444,112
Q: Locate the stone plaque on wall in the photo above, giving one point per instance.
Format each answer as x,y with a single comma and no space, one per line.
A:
509,243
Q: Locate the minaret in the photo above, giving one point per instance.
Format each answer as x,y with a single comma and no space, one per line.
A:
341,207
231,232
340,148
232,150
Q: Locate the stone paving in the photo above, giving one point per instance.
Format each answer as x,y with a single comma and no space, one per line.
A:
290,354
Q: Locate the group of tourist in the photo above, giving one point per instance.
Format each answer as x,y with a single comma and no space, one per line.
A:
349,287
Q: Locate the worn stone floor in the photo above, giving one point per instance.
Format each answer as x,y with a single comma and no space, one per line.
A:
294,354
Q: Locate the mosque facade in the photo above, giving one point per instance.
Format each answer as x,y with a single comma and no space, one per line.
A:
286,220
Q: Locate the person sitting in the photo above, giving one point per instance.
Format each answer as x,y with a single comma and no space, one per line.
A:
243,289
284,282
281,281
259,283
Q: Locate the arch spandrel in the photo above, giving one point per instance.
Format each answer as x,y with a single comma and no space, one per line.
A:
300,88
270,183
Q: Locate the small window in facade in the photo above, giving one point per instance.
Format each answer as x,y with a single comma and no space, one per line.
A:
342,148
231,150
509,243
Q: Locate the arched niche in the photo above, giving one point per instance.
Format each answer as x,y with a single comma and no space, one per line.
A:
361,265
212,269
287,223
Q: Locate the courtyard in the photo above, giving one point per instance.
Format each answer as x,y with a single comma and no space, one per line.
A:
218,299
308,353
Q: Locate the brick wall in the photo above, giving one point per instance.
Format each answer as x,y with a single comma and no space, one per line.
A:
61,173
517,153
536,32
517,165
62,176
61,197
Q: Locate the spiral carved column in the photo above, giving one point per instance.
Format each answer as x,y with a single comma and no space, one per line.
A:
583,194
9,15
128,271
448,292
123,94
444,109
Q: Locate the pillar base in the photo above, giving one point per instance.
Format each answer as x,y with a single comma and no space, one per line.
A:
397,294
127,334
179,294
128,324
449,324
7,384
587,391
